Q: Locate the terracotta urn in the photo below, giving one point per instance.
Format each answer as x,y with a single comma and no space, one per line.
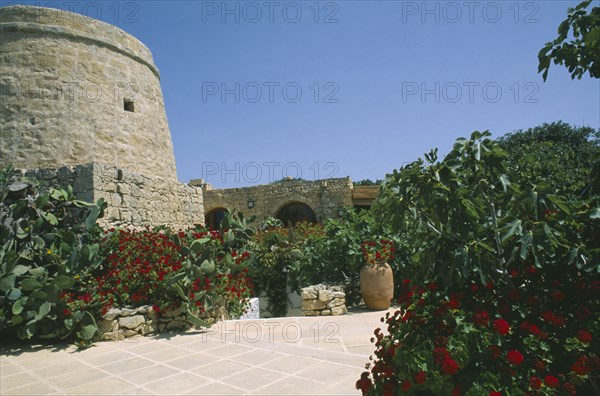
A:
377,285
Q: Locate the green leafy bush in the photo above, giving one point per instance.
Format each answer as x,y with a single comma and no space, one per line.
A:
504,280
47,241
275,266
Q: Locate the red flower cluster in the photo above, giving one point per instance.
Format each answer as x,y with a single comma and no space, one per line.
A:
378,251
538,338
442,358
501,326
514,357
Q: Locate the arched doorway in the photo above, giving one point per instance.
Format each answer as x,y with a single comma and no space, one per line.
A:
214,218
295,212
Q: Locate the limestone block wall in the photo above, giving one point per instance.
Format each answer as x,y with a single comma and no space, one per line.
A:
133,199
322,300
120,323
325,197
76,90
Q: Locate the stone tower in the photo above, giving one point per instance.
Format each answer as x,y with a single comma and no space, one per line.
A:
81,105
75,90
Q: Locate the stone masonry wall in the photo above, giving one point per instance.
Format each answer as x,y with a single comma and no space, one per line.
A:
325,197
322,300
120,323
76,90
133,199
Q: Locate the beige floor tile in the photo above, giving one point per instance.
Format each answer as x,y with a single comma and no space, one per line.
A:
100,359
16,380
148,374
36,388
290,386
164,355
256,357
348,384
7,369
252,379
229,350
337,391
216,388
203,344
289,364
329,373
138,391
147,347
107,386
177,384
59,366
221,369
77,378
124,366
191,361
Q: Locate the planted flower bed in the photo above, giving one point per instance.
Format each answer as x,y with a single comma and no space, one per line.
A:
62,276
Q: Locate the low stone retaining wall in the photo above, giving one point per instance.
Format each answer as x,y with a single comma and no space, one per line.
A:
321,300
120,323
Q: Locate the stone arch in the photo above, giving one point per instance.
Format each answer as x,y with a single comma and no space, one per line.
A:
295,211
213,218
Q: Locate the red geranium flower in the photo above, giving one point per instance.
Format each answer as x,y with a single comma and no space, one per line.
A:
449,366
501,326
494,393
581,366
514,357
535,383
584,336
421,377
551,381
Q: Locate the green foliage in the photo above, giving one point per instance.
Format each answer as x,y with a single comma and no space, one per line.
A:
504,267
557,154
582,53
368,182
464,218
334,255
274,266
47,241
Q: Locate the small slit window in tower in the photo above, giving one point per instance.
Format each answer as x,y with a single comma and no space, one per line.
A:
128,105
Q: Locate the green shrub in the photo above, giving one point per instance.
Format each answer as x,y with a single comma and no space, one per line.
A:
503,280
46,243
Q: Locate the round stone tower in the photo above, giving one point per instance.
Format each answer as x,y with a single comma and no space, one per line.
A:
75,90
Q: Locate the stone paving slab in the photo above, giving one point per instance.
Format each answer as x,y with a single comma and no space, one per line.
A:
278,356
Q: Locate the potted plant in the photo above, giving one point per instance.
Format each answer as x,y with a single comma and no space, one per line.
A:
376,276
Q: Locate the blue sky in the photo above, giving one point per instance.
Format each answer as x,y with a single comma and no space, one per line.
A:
259,90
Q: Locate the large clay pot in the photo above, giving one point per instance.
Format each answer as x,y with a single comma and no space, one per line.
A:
377,285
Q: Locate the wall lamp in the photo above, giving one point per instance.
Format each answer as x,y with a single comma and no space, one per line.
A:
250,203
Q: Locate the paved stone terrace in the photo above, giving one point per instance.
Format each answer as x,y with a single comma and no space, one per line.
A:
280,356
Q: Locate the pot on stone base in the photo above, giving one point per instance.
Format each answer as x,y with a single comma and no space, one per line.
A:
377,285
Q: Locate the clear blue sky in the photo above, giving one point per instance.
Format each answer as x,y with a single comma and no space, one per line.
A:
381,82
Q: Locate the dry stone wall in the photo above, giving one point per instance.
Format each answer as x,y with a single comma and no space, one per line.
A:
325,197
133,199
322,300
75,90
120,323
